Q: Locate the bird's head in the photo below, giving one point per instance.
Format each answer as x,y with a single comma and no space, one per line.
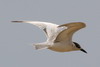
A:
79,47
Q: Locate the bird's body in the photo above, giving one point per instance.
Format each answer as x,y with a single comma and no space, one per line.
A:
59,37
62,47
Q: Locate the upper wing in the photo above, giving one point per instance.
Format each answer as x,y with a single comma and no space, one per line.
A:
48,28
66,34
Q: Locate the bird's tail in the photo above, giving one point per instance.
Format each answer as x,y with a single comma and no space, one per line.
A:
40,46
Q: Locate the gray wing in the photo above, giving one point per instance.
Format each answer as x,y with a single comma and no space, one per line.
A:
48,28
66,34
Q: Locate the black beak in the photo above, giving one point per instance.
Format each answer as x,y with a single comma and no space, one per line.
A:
83,50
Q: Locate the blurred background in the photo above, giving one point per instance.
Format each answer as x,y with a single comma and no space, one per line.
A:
16,39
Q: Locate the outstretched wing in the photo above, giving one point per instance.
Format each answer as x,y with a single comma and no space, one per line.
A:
66,34
48,28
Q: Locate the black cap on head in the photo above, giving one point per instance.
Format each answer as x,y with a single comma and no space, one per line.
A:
78,46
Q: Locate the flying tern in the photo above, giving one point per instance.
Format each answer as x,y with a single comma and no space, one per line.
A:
59,37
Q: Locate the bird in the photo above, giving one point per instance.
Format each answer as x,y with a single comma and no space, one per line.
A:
59,37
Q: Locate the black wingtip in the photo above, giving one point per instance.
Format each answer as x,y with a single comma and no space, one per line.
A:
17,21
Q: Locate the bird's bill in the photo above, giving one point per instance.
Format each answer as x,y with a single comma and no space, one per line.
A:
83,50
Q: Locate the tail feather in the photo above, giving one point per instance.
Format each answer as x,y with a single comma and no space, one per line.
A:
40,46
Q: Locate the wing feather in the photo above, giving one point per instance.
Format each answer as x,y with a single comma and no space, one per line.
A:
66,34
48,28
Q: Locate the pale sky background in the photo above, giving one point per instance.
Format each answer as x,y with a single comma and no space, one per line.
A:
16,39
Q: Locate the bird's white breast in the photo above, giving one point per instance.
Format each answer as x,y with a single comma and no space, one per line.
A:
62,47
